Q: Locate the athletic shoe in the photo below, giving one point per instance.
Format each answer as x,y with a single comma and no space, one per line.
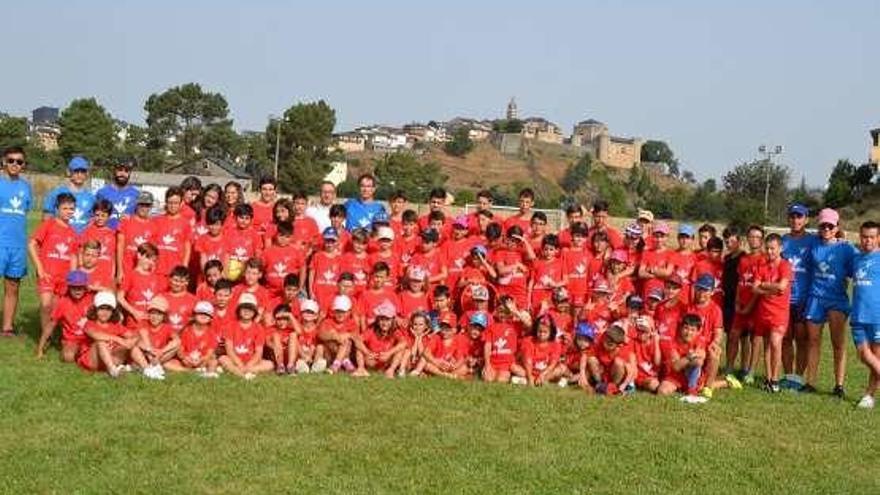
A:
280,370
694,399
748,379
334,368
867,402
319,366
518,380
601,388
210,374
301,367
562,383
629,389
732,382
115,371
347,365
773,387
152,373
808,389
126,368
707,392
839,392
249,376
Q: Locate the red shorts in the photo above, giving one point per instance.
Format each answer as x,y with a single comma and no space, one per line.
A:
84,360
501,365
743,322
680,380
56,284
765,324
643,378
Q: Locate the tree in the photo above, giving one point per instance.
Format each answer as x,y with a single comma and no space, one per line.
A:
505,126
186,120
87,129
402,170
660,152
862,178
840,183
13,131
577,174
256,156
306,134
669,204
705,203
461,143
688,177
749,181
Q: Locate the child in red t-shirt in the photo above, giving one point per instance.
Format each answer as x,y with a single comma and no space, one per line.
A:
173,233
133,231
52,249
501,340
253,273
384,347
609,364
539,356
338,334
357,261
416,334
157,341
198,344
684,358
70,312
98,230
140,286
282,340
211,274
477,323
109,342
577,356
597,310
772,287
212,245
646,357
244,341
100,275
309,352
282,258
180,302
547,273
325,268
447,351
243,242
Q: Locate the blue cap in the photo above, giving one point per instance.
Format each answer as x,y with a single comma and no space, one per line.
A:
686,229
585,329
798,209
480,250
705,282
635,302
77,278
381,217
330,233
77,163
479,318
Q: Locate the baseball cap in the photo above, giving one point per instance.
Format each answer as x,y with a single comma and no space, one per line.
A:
341,303
308,305
645,215
430,235
480,319
633,230
798,209
416,273
77,278
385,310
385,233
480,293
247,299
601,285
827,215
479,250
686,229
635,302
330,233
158,303
446,319
656,294
705,282
619,255
661,228
78,163
585,329
203,308
461,221
105,298
145,198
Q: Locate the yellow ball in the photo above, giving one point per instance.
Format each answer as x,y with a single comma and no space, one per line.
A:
234,270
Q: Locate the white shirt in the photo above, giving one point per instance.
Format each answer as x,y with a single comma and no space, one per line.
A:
320,214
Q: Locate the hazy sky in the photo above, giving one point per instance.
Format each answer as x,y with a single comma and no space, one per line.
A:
714,79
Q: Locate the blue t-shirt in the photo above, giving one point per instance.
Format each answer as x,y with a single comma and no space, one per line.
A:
85,202
797,250
124,201
359,215
832,265
15,201
866,288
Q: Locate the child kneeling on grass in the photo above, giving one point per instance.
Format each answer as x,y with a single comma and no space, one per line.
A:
684,357
109,342
501,339
198,344
70,312
244,341
384,347
577,357
609,364
157,341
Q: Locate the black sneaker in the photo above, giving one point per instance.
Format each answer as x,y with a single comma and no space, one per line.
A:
774,387
808,389
838,392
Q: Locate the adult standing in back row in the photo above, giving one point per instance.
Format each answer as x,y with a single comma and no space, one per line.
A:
320,212
15,201
360,212
77,175
120,193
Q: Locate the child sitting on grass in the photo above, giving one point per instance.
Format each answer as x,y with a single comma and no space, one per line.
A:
384,348
70,312
539,356
447,351
198,344
244,341
109,342
157,342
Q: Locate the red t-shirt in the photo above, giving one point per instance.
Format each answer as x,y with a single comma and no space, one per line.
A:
243,341
711,317
667,318
503,337
370,299
196,346
598,314
305,230
136,231
326,269
140,288
376,343
654,259
410,303
359,266
262,214
212,248
432,262
71,315
100,276
606,357
346,326
394,265
180,307
542,354
576,263
243,244
107,237
746,269
523,221
456,255
676,349
453,350
58,244
173,233
644,352
546,274
281,261
513,284
159,336
774,308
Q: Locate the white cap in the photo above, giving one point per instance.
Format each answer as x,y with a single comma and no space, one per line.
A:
341,303
308,305
105,298
247,298
204,307
385,233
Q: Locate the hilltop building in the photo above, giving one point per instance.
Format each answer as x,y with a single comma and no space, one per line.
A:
614,151
874,155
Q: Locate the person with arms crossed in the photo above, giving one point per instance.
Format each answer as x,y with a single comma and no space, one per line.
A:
15,201
361,211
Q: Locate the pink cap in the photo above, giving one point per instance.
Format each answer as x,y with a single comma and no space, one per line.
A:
385,310
827,215
620,255
417,273
601,285
661,227
461,221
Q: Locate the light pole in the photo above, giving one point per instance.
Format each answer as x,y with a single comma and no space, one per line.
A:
769,152
277,142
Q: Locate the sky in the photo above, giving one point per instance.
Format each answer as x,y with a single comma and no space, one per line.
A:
713,79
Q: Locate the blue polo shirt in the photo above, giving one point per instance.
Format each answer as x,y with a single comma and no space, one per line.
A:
866,288
798,252
85,202
124,201
832,265
15,201
359,215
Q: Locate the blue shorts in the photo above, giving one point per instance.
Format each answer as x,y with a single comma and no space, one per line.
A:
13,262
818,308
863,333
797,312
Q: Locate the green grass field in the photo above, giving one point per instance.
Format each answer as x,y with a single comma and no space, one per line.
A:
62,431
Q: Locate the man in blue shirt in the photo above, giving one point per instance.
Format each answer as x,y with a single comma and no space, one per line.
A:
832,262
797,245
78,174
360,212
865,319
15,201
119,193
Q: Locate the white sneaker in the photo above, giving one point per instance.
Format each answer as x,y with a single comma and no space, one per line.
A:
210,374
563,382
518,380
301,367
249,376
126,368
694,399
867,402
115,371
149,373
401,374
319,366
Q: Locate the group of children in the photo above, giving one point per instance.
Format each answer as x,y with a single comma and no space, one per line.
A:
215,285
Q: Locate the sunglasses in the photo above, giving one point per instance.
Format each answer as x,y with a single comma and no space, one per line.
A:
15,161
827,226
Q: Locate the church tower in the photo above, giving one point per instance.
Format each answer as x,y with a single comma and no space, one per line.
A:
511,109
